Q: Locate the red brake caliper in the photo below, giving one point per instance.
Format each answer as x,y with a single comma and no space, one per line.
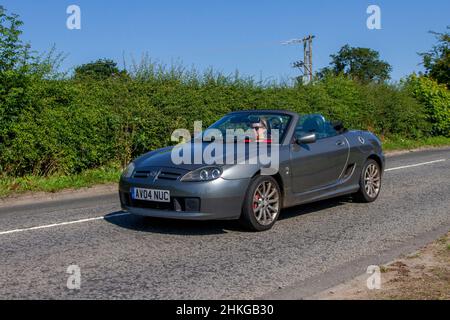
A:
256,202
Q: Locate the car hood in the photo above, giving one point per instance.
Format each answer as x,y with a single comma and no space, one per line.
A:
163,157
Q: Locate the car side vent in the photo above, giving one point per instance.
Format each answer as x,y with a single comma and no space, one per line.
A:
168,175
348,172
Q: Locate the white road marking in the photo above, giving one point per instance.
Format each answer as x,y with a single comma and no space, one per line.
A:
415,165
124,214
62,224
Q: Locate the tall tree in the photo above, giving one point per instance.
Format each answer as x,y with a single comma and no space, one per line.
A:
13,52
15,57
437,60
361,64
100,69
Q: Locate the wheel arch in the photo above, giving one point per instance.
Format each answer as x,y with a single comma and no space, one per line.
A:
278,179
378,160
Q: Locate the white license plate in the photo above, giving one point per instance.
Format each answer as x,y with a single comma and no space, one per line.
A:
150,194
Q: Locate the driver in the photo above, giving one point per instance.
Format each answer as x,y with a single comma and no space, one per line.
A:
261,130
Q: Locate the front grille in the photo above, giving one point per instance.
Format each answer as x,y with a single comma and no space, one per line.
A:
168,175
141,174
163,174
152,205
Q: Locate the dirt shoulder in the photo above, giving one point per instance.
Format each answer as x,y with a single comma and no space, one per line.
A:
423,275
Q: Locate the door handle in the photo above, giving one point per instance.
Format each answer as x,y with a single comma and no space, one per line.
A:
340,143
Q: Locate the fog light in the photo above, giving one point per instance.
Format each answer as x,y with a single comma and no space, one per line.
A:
192,204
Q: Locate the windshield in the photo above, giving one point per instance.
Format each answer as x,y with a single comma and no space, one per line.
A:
259,126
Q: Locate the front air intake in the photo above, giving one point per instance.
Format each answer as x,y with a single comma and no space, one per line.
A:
168,175
141,174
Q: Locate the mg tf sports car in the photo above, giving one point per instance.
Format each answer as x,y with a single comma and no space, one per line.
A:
316,159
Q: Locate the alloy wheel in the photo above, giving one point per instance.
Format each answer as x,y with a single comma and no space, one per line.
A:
266,203
372,180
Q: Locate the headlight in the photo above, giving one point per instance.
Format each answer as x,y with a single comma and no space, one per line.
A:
128,171
203,174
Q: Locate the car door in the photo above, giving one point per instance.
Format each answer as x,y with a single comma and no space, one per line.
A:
319,164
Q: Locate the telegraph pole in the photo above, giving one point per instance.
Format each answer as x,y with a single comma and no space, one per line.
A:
310,39
305,64
305,59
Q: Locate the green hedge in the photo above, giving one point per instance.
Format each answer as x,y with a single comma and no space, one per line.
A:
436,99
67,126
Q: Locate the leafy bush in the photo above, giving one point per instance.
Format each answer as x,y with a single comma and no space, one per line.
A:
68,126
100,70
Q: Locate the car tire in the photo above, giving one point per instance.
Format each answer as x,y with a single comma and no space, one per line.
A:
369,182
262,204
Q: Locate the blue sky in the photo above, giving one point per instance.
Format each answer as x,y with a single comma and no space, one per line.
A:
230,35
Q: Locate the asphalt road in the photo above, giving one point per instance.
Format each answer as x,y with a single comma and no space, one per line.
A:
311,248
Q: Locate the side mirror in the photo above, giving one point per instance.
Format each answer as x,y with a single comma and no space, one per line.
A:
307,139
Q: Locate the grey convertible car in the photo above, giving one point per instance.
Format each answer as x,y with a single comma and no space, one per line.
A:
316,159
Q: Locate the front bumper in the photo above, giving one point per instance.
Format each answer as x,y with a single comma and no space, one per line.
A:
213,200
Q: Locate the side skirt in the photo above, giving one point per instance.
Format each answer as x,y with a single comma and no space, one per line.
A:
344,186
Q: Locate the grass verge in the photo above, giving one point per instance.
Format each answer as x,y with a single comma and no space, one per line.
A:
12,186
394,144
110,174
